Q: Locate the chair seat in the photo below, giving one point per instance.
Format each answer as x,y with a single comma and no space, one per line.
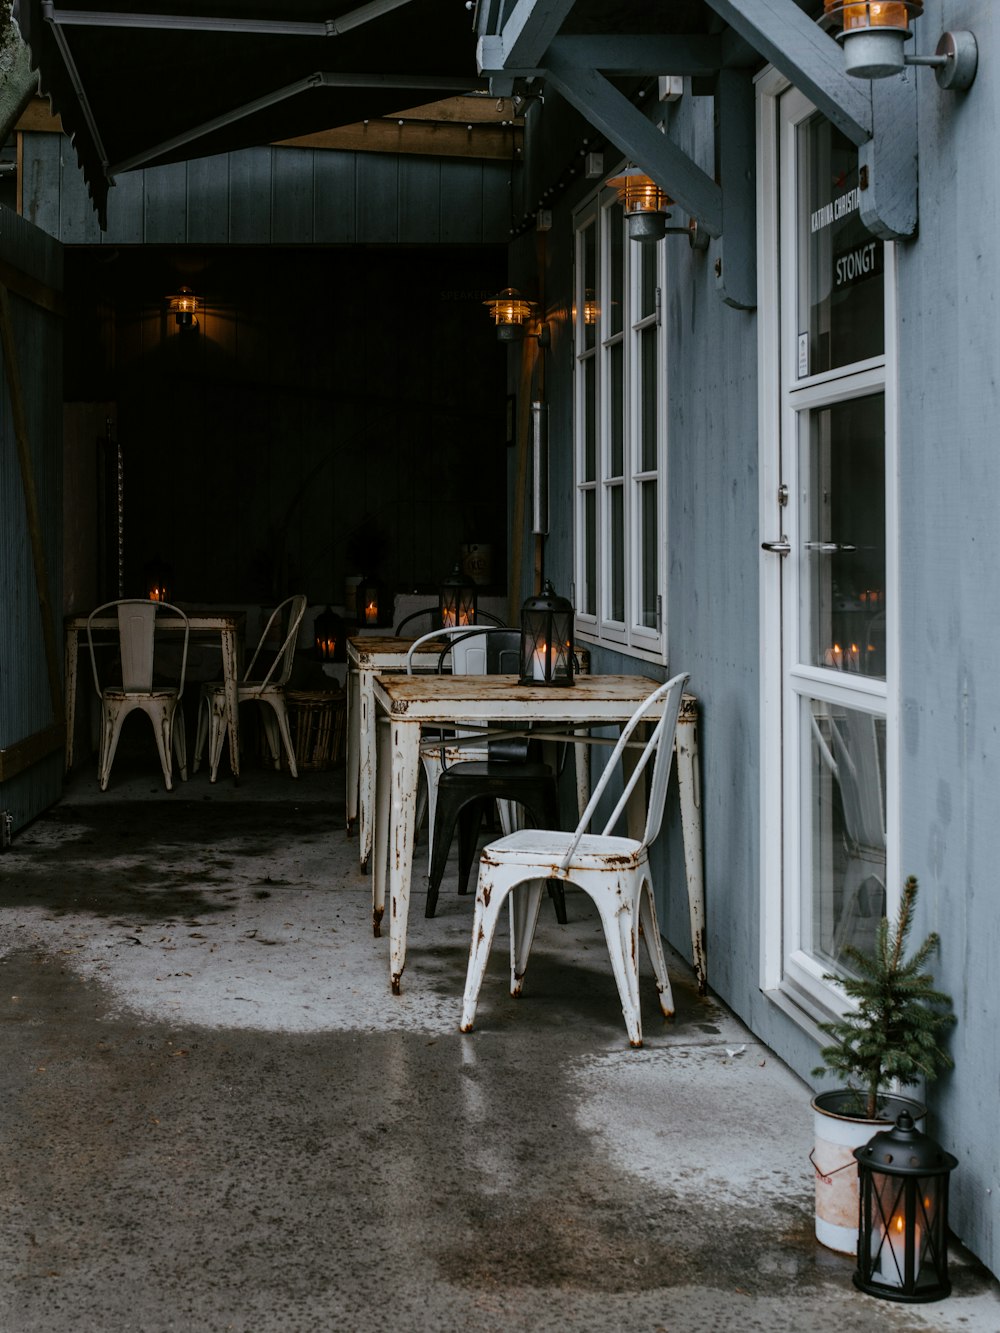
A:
116,692
603,851
482,772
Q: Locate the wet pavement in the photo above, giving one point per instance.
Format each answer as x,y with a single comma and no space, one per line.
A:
215,1115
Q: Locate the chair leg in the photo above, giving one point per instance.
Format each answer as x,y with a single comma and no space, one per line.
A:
524,904
201,731
111,727
470,821
218,727
654,947
492,889
178,737
621,931
161,723
281,717
446,816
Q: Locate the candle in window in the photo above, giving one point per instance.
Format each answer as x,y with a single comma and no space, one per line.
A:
371,613
538,662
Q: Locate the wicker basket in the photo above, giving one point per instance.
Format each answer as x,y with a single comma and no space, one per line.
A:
317,719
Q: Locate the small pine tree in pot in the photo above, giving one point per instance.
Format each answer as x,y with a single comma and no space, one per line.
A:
893,1033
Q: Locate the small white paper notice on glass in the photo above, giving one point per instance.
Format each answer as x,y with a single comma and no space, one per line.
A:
803,355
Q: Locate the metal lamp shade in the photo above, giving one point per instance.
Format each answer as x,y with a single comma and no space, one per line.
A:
547,639
457,601
903,1219
328,636
372,610
873,33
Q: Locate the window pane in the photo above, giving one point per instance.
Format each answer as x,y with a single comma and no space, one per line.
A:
616,554
843,522
616,408
589,368
590,552
648,554
844,790
647,398
617,241
841,287
589,248
647,279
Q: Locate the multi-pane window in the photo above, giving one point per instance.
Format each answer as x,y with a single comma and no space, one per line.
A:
620,439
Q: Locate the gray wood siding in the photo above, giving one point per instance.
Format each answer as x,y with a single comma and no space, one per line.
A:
273,196
25,700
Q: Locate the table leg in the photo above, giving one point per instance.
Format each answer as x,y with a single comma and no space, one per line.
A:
353,747
381,850
230,680
688,774
72,644
581,763
405,741
367,761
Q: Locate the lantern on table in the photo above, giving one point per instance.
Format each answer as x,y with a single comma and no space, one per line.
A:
457,601
547,639
371,609
903,1219
159,580
328,636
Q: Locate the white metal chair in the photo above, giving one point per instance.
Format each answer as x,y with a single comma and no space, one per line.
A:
137,637
470,657
612,870
267,689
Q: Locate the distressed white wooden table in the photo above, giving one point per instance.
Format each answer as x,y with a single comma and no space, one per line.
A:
369,656
228,629
407,703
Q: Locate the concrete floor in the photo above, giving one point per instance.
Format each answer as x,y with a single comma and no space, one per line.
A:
215,1116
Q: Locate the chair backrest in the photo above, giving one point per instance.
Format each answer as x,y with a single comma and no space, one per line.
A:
485,651
436,635
659,747
281,668
137,618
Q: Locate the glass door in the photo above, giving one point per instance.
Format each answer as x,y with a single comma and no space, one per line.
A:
835,586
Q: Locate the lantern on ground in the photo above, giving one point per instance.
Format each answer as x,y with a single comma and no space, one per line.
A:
158,578
328,636
547,639
371,610
457,597
903,1220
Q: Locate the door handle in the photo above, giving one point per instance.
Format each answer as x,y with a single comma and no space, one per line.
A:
776,548
828,548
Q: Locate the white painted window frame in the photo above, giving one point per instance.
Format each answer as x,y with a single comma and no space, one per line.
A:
627,636
789,975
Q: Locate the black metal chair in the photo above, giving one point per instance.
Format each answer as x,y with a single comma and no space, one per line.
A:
512,771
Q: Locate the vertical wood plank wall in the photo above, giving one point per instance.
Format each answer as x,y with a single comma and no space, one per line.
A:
25,700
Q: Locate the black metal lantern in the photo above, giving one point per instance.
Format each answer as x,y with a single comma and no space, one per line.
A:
372,609
547,639
903,1219
457,600
159,580
328,636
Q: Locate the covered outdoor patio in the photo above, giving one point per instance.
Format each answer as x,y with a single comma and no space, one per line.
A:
216,1115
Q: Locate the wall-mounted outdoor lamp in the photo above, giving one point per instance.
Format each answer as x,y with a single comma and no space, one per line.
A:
903,1221
183,307
872,33
513,316
646,205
